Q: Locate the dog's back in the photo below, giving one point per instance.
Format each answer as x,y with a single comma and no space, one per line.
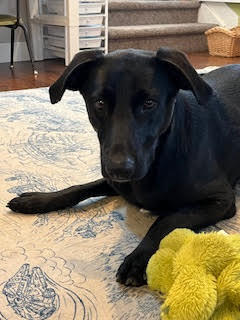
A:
225,120
226,82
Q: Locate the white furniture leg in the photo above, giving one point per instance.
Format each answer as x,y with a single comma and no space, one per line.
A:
71,10
71,43
36,30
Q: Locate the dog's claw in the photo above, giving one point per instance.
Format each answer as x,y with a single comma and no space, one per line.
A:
131,282
132,271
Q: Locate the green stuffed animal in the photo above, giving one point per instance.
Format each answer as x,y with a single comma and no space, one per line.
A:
198,275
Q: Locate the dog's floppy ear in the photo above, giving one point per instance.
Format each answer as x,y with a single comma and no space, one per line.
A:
183,73
73,75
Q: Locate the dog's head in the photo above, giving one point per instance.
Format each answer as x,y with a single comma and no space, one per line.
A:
130,98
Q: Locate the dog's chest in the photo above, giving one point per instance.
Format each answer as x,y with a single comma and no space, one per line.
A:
153,195
158,195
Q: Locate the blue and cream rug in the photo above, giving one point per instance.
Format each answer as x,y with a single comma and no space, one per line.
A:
62,265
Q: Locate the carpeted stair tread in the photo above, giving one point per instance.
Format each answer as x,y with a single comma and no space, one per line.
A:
151,24
149,5
125,12
120,32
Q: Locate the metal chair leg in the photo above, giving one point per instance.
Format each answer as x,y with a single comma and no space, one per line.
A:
12,47
29,47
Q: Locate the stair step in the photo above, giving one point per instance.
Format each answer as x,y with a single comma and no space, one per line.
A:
121,32
125,12
188,37
132,5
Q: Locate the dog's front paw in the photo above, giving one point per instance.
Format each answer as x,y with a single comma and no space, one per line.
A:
34,202
132,271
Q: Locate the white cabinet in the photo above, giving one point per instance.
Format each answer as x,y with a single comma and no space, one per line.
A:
57,7
63,27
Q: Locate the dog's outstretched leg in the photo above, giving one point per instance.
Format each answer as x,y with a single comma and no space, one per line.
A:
209,211
42,202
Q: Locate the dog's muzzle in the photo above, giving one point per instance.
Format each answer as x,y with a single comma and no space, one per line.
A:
120,169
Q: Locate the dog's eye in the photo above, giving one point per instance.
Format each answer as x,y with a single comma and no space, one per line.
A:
149,104
99,105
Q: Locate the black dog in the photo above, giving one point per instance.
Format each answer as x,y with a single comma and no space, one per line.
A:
170,142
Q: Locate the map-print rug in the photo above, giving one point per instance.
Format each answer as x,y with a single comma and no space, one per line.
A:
62,265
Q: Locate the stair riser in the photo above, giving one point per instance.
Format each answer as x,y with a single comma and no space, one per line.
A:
157,16
186,43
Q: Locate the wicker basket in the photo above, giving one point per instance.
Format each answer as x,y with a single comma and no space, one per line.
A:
224,42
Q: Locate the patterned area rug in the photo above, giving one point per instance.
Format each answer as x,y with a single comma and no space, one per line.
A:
62,265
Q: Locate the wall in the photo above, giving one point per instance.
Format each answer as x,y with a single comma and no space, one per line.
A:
219,13
236,8
21,53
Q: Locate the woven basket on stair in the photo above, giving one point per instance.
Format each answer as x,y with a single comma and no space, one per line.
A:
224,42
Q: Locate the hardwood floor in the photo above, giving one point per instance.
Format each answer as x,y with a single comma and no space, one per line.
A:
49,70
201,60
22,76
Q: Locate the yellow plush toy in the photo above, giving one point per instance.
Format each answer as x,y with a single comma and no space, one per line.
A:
198,275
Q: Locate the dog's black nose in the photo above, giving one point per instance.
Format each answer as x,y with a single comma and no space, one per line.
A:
120,168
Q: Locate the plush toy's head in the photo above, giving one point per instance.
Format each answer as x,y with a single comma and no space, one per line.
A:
198,274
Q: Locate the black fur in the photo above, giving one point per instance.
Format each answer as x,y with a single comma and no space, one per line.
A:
170,142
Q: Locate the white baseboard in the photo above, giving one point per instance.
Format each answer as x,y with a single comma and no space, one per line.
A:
20,52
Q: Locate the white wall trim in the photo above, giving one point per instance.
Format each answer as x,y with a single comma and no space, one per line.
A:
20,52
218,13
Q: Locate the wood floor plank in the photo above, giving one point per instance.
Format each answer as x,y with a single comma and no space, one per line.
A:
22,76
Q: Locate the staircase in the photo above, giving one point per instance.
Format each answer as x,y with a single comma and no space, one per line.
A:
149,25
